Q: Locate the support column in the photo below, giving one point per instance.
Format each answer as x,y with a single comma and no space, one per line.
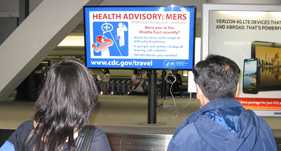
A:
152,97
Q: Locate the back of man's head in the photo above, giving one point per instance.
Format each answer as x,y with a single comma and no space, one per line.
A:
217,77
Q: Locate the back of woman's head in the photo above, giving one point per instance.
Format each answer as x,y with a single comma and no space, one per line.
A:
66,101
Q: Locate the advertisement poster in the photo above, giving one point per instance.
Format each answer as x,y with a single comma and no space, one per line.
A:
252,39
145,37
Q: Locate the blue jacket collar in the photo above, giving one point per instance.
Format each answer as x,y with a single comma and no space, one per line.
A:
212,105
219,103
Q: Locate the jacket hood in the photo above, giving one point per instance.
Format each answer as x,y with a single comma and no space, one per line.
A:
225,125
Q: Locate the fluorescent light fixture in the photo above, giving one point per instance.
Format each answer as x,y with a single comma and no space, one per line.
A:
72,41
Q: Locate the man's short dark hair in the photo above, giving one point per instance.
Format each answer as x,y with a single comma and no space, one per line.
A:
217,76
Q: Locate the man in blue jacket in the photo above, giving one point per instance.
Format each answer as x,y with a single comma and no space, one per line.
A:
221,123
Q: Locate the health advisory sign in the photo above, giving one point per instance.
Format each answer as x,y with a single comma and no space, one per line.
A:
146,37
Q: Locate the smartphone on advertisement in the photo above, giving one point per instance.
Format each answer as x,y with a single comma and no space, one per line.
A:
250,76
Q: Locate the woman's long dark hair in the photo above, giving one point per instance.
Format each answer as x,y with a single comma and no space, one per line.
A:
65,103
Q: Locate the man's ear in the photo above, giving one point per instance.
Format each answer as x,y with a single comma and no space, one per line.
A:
198,92
237,93
200,96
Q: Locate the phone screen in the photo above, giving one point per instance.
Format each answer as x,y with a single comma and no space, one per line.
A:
250,76
268,56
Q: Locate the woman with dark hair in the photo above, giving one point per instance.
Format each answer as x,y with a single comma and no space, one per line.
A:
63,108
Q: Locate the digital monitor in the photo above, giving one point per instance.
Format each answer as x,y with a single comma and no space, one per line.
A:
268,55
139,37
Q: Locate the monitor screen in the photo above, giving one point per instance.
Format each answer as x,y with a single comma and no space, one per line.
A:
139,37
268,55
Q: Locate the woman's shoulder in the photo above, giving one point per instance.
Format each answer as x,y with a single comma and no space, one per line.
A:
97,132
24,127
100,140
21,133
